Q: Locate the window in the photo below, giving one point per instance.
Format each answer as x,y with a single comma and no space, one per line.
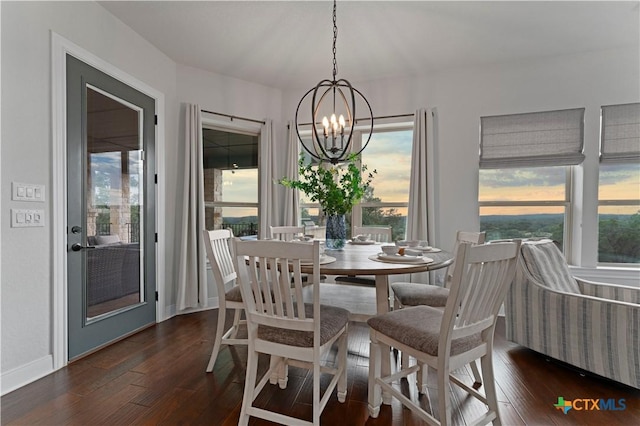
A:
525,174
619,185
389,153
525,202
230,181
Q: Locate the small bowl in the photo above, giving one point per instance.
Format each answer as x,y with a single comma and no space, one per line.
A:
401,243
412,243
389,250
362,237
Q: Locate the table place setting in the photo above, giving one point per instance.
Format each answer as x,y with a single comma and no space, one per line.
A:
362,240
396,254
422,246
427,249
324,258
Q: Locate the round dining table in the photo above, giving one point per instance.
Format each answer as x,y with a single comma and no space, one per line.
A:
362,259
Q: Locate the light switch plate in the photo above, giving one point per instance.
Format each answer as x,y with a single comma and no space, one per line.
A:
26,218
27,192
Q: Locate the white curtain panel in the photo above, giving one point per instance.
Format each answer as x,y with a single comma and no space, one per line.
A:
192,277
420,215
420,210
292,196
268,209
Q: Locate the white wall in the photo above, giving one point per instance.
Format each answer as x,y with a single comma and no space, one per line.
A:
27,280
462,96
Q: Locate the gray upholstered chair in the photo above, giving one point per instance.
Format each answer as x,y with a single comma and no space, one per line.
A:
280,324
447,339
593,326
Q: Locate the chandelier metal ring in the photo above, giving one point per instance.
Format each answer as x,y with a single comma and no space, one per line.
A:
331,138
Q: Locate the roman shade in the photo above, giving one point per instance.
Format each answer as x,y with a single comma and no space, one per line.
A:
620,140
550,138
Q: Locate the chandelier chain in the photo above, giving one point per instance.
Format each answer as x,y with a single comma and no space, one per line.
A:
335,37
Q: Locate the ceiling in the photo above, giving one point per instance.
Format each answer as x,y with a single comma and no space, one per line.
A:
288,44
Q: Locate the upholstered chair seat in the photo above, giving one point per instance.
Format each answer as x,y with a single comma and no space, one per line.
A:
419,328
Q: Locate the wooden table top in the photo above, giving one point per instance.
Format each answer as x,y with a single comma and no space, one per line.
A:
354,260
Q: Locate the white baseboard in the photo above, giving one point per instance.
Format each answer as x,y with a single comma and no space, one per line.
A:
171,310
25,374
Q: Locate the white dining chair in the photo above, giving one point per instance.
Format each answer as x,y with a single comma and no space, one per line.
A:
381,234
217,246
448,339
285,233
415,294
280,324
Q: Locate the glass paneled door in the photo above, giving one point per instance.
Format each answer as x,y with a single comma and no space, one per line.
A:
111,227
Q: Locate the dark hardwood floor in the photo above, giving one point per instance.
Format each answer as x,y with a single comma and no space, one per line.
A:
158,377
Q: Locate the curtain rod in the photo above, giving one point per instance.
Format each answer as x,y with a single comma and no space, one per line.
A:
374,118
233,117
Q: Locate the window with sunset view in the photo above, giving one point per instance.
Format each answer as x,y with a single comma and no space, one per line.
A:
525,174
619,185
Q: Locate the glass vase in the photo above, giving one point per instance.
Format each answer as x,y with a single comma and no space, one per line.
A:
336,235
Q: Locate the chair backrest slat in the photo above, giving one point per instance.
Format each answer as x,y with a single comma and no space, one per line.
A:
255,280
297,285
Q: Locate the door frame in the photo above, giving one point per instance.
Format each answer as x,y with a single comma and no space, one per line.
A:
60,47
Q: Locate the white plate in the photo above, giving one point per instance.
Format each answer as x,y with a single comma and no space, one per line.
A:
398,258
426,248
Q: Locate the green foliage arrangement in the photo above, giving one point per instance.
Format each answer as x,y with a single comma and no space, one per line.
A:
337,188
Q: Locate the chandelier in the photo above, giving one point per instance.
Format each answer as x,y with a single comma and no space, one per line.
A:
335,101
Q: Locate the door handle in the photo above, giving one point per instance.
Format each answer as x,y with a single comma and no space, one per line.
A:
78,247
